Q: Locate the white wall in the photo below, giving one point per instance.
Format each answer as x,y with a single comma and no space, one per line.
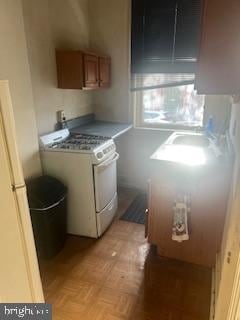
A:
135,149
109,33
234,131
51,24
219,107
15,68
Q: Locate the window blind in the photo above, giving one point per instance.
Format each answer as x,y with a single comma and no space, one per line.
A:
142,82
165,36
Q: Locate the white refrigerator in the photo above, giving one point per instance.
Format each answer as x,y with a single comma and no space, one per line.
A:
19,272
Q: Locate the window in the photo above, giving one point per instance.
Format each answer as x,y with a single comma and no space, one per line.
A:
170,106
164,53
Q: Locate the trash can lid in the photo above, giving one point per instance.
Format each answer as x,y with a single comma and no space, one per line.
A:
44,191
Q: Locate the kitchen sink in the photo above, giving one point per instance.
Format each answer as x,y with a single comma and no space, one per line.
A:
188,147
189,139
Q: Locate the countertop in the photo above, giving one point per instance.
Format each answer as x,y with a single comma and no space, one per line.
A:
103,128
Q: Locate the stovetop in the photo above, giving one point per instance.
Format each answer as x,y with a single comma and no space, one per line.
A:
80,142
97,147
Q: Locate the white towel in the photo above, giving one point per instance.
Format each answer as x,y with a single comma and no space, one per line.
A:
181,209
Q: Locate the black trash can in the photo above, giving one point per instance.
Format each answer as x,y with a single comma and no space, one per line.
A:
47,199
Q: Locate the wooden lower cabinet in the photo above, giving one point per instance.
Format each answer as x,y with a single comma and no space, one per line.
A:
206,219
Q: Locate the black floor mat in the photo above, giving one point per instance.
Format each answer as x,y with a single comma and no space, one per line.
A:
136,211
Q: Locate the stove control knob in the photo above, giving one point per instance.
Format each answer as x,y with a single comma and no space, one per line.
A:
99,155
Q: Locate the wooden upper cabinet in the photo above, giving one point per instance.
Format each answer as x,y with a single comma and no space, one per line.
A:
82,70
219,61
104,72
91,71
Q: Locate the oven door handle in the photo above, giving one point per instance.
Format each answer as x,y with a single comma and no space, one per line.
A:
108,162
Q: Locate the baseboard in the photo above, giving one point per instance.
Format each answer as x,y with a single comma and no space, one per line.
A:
123,182
131,187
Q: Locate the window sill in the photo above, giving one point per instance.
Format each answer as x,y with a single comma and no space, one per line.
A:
168,128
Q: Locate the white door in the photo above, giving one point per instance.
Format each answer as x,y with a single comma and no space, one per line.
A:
105,182
229,290
19,273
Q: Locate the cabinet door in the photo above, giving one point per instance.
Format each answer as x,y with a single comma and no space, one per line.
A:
219,61
69,69
91,73
205,221
104,72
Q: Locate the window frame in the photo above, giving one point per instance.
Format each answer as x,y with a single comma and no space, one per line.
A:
138,110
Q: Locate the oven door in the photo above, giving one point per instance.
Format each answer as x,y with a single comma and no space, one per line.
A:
105,180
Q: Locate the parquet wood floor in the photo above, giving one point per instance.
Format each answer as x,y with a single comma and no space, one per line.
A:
120,277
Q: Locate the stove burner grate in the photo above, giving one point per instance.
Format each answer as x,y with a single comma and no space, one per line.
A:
80,142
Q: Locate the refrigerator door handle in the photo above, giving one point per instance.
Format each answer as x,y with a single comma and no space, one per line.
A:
17,186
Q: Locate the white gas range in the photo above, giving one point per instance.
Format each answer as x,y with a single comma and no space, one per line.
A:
87,166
